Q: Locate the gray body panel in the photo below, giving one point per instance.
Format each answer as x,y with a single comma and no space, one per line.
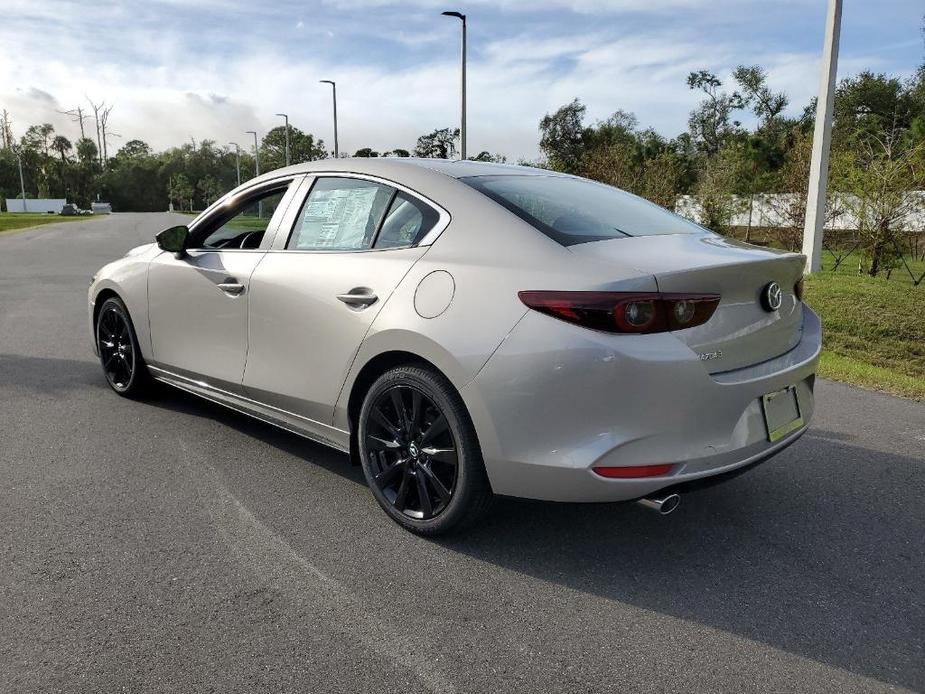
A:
548,399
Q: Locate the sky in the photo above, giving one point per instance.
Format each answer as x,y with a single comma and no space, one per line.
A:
213,69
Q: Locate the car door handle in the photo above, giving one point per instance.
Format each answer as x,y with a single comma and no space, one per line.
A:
233,288
358,300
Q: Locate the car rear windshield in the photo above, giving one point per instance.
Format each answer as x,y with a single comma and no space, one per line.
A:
574,210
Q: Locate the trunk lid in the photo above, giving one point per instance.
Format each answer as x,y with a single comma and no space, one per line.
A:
742,331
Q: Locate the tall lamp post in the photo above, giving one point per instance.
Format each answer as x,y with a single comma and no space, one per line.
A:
283,115
822,140
334,95
462,116
237,159
256,169
256,153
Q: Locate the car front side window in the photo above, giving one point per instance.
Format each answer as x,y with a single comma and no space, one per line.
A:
241,226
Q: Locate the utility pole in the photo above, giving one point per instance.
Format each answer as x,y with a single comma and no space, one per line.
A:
334,94
256,153
256,170
237,159
287,135
822,140
462,116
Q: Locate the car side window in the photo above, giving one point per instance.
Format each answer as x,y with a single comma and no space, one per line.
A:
241,226
406,222
340,214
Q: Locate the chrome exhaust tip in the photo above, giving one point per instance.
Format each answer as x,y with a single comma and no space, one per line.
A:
663,504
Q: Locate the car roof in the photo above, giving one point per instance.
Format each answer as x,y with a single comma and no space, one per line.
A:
395,166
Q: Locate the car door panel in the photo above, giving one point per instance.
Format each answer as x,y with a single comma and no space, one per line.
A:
199,327
302,337
197,303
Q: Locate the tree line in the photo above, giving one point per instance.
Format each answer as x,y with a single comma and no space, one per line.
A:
878,156
138,179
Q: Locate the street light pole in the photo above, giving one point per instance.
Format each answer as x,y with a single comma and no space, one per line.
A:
334,95
822,140
256,153
256,170
237,159
283,115
462,115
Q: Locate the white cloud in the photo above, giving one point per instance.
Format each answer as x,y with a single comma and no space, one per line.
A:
170,81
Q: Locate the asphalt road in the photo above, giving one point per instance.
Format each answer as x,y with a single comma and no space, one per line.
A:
171,545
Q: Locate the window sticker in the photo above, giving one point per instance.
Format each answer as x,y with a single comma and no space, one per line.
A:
337,218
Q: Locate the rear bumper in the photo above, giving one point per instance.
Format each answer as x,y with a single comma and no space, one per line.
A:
555,401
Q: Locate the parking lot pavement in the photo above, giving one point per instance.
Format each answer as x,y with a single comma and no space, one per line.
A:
172,545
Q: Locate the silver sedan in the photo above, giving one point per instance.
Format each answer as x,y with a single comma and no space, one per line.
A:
465,330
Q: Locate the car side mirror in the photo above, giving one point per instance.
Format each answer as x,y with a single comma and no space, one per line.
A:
173,240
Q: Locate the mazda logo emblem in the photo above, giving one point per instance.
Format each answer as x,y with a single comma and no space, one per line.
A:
771,297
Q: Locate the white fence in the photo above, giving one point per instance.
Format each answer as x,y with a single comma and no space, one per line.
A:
766,211
34,205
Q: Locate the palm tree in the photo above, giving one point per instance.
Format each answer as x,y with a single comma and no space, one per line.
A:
62,146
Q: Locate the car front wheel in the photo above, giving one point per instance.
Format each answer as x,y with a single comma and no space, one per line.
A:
117,345
420,453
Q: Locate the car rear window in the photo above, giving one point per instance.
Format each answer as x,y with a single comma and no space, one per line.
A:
575,210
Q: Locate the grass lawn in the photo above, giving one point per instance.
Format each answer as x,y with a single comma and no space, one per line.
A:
874,327
10,221
874,330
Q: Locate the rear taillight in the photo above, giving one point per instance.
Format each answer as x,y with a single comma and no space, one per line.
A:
625,312
798,289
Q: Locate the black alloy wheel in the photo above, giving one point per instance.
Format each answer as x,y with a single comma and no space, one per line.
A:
420,453
412,452
118,348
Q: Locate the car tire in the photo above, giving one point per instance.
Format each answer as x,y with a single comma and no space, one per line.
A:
120,357
420,453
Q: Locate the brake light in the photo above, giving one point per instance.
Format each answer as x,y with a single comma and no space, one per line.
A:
633,472
624,312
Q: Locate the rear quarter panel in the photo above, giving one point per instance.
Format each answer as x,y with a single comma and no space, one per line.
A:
491,255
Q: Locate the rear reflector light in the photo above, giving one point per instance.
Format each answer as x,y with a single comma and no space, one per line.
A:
633,472
625,312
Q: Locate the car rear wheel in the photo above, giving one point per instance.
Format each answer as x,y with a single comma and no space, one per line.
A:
117,345
420,454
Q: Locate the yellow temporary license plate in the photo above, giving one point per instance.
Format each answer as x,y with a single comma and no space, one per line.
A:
781,412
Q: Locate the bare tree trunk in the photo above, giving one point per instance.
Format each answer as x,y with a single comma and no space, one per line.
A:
876,254
99,141
77,115
3,130
80,119
104,120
